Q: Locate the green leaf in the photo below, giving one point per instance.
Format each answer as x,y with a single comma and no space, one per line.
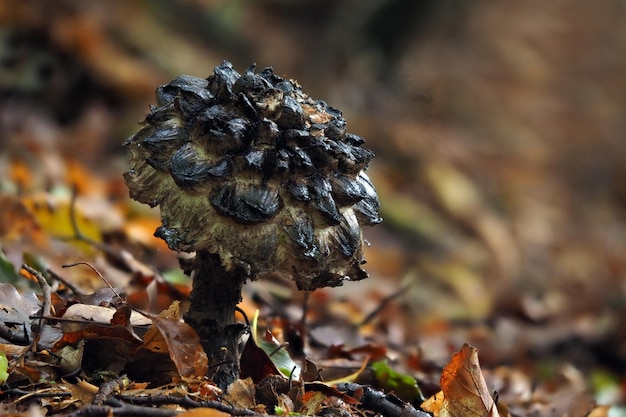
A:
278,355
4,366
175,276
404,386
7,270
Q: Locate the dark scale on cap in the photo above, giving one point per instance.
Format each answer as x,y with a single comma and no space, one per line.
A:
253,156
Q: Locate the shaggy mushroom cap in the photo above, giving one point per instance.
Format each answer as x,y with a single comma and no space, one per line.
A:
249,167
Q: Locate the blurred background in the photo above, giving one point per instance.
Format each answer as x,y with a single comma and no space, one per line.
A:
498,129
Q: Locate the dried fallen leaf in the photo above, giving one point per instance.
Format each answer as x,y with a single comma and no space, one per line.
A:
241,393
79,316
109,346
435,404
16,221
16,309
464,391
312,402
71,357
184,346
83,392
171,335
600,411
204,412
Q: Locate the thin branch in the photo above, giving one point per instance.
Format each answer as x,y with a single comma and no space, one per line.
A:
99,274
377,401
125,410
78,235
46,303
38,394
283,345
109,250
73,288
383,303
45,288
187,402
109,388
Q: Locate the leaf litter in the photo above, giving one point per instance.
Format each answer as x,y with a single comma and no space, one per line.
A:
490,241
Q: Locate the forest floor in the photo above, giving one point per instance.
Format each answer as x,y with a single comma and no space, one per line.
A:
497,277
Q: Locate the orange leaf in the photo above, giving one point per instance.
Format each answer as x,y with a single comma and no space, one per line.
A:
204,412
465,391
434,404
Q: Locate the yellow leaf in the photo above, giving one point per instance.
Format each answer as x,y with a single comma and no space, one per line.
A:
434,404
54,217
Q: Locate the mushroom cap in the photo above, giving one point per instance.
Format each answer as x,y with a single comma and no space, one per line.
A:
249,167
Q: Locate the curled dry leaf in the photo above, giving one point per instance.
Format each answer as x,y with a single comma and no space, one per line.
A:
171,335
79,316
241,393
184,346
464,391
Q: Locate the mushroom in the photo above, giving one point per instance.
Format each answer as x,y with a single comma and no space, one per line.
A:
256,178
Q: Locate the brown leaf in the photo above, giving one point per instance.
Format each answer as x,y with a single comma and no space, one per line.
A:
312,402
121,317
170,348
184,346
464,389
255,363
108,347
15,219
98,331
241,393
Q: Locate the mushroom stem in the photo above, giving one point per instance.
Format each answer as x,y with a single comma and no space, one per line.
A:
214,297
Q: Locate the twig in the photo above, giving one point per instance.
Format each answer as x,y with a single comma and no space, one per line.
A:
93,268
278,348
383,303
109,388
73,288
78,235
124,410
46,304
45,288
386,404
109,250
187,403
31,395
